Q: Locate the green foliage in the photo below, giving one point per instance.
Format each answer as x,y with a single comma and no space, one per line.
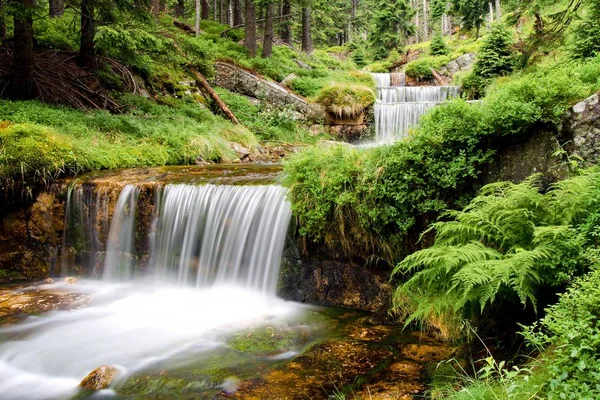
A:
571,335
473,86
58,33
359,57
438,46
586,40
390,25
508,242
472,13
346,101
394,189
495,56
421,67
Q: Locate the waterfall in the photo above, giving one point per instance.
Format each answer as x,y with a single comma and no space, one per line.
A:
118,262
398,108
200,234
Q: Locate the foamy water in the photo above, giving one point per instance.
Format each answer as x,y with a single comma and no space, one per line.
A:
129,326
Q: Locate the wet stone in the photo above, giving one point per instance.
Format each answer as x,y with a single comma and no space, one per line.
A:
100,378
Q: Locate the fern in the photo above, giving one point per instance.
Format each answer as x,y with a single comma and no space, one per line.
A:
510,240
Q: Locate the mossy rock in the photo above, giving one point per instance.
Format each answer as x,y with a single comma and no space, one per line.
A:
346,101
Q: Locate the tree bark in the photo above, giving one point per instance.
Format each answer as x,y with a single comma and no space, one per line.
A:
228,12
222,11
238,17
286,30
87,50
179,8
22,86
268,36
57,8
306,40
155,7
205,9
498,10
250,29
197,26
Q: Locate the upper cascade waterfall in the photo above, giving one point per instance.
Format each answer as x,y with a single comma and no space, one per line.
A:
399,107
196,235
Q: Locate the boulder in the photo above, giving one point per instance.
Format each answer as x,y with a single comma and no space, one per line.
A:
288,80
69,280
100,378
583,129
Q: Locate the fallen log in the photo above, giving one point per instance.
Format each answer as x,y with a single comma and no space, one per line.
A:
439,78
204,85
185,27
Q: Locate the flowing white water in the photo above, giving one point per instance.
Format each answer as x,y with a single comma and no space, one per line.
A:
399,107
213,270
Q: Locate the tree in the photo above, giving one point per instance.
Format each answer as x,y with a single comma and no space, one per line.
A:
587,34
179,8
56,8
22,86
197,27
425,21
268,35
498,11
496,56
472,13
87,50
2,21
306,39
390,26
438,47
250,27
286,26
155,7
238,17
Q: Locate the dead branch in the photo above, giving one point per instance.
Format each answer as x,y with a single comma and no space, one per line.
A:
438,78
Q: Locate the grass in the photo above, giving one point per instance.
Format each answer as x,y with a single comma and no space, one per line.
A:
40,142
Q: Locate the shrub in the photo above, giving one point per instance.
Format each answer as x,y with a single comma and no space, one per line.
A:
421,68
438,46
569,332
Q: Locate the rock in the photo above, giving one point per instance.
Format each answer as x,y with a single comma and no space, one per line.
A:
100,378
241,151
288,80
49,280
71,280
244,82
452,67
583,131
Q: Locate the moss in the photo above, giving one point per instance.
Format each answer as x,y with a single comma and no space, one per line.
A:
264,340
346,101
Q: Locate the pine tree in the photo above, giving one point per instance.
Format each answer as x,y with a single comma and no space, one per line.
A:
390,26
496,56
438,46
587,35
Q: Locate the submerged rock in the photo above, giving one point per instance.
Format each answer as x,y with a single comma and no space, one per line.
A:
71,280
100,378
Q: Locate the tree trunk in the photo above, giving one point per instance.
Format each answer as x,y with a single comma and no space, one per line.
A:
286,29
306,40
2,22
228,12
197,26
179,8
205,9
155,7
425,21
87,50
57,8
498,10
22,86
268,36
163,6
238,17
222,11
250,29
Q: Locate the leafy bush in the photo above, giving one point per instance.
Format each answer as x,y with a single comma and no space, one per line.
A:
473,86
438,46
570,333
421,67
